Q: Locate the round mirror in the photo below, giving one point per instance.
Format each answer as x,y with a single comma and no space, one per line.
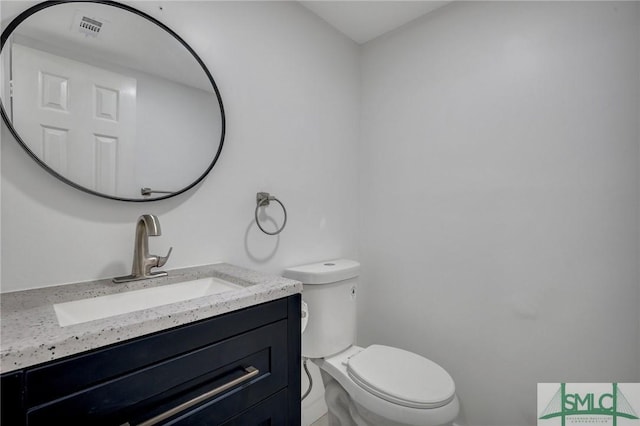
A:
109,100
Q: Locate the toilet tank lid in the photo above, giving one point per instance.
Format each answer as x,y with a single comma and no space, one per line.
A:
326,272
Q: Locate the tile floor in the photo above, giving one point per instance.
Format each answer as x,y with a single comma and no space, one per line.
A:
322,421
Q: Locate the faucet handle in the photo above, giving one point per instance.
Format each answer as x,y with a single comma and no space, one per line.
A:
162,260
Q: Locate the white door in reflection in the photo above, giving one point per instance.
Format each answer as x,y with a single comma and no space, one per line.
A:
78,118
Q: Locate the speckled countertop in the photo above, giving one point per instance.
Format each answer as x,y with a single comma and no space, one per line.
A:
30,333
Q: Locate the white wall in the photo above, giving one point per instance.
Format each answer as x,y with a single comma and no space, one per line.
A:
499,197
314,405
193,116
290,85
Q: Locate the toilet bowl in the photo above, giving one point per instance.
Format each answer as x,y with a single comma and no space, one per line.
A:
394,400
376,385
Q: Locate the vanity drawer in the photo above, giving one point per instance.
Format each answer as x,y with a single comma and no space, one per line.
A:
59,378
152,390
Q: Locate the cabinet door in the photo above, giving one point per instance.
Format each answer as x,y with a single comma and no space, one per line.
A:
11,412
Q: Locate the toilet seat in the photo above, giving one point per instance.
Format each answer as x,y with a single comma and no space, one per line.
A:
336,368
401,377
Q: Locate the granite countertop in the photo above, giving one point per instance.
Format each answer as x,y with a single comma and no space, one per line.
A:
30,333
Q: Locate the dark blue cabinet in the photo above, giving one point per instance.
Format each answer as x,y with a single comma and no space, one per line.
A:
240,368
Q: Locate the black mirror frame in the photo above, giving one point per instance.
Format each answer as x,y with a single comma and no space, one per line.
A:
46,4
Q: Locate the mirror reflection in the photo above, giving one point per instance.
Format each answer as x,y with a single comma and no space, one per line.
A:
110,102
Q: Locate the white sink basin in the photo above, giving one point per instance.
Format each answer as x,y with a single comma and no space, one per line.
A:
79,311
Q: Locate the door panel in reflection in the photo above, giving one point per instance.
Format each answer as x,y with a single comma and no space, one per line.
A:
78,118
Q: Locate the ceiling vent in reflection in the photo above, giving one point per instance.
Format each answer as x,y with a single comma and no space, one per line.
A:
90,26
85,25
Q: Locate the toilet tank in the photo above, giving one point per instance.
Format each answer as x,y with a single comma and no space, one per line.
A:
329,289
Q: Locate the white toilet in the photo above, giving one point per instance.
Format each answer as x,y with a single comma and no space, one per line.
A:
378,385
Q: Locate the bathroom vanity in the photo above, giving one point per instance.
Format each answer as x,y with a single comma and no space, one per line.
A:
229,358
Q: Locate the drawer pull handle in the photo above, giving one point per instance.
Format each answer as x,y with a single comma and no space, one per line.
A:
250,372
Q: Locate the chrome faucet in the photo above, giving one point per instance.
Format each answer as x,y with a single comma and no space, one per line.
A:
148,225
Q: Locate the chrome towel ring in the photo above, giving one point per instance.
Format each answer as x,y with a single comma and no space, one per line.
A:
262,200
